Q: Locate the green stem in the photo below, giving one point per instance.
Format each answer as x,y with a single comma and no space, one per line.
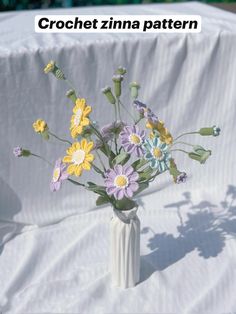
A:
100,159
154,176
118,106
98,170
184,143
116,147
76,182
69,84
179,150
99,135
58,138
185,134
137,121
115,108
42,158
123,106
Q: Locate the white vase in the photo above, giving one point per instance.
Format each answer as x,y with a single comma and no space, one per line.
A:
125,248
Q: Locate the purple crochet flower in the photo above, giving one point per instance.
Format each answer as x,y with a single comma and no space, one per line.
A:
18,151
108,132
132,139
111,129
181,178
152,118
140,107
59,175
121,181
145,112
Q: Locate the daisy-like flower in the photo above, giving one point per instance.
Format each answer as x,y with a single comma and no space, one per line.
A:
80,117
59,175
165,135
79,157
132,139
121,182
40,126
157,153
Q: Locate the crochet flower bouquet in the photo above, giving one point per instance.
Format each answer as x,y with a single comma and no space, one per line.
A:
128,156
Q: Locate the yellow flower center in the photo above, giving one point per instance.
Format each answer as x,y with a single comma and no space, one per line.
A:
135,139
121,181
56,174
78,157
78,117
157,152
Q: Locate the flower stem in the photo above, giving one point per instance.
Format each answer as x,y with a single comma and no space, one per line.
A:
99,135
98,170
42,158
100,159
115,108
118,106
123,106
154,176
185,134
58,138
179,150
137,121
116,148
184,143
70,84
76,182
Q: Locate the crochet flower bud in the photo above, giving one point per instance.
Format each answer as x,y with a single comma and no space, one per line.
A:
71,95
20,152
214,130
117,79
134,87
178,176
200,154
108,93
51,67
121,70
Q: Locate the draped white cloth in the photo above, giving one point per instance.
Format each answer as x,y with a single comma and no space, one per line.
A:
54,246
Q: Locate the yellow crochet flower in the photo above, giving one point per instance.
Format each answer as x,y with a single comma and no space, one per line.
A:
40,126
80,117
49,67
79,157
165,135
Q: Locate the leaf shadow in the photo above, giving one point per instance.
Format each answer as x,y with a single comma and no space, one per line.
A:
205,230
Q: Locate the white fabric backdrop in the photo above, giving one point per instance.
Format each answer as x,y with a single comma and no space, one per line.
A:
54,247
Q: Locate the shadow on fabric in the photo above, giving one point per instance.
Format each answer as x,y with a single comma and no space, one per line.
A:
10,205
205,230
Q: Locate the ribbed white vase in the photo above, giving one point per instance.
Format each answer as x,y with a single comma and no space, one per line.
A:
125,248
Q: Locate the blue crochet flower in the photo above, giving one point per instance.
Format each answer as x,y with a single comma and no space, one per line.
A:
157,153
